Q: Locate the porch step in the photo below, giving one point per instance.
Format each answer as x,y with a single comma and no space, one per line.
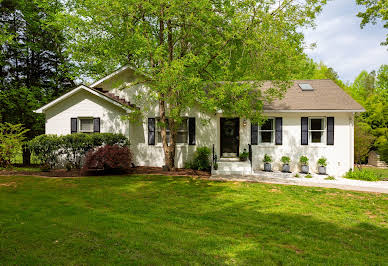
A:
232,168
229,159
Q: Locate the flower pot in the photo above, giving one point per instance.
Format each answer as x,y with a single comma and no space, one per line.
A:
243,159
305,169
267,167
322,170
286,168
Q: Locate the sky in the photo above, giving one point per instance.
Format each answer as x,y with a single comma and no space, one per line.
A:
342,44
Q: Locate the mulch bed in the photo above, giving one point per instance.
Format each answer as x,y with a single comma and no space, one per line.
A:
135,170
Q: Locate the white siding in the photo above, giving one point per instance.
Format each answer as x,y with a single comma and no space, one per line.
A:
85,104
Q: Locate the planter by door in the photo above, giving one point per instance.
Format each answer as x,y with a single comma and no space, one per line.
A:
305,169
230,136
286,168
322,170
267,167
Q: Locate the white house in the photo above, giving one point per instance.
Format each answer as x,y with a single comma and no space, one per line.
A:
315,119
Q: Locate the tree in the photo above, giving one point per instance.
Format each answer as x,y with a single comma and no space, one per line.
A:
363,141
33,66
11,139
192,53
375,10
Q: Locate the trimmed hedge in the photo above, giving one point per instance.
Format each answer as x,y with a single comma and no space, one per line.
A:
50,148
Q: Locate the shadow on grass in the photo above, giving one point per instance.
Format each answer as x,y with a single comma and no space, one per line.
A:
165,220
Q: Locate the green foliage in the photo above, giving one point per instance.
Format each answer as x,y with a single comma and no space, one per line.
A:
296,175
267,158
374,10
285,159
34,66
192,53
308,176
330,178
73,147
322,161
11,140
363,174
363,141
46,148
383,152
243,156
201,159
304,160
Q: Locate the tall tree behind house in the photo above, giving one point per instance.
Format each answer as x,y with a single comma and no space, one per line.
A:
33,66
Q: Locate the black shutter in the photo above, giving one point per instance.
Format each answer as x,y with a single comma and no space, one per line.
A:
278,130
254,133
191,130
73,125
330,131
151,131
304,131
96,125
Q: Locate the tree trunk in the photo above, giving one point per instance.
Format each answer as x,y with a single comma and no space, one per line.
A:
26,156
169,151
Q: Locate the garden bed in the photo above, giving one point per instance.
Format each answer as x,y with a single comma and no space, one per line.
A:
35,170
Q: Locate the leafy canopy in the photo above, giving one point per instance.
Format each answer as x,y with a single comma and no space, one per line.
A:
193,52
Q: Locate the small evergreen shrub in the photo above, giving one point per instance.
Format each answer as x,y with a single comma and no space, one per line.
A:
322,161
46,149
107,159
363,174
330,178
296,175
244,156
201,159
308,176
267,158
304,160
285,159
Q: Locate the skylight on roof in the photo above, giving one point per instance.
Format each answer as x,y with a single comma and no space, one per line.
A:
305,87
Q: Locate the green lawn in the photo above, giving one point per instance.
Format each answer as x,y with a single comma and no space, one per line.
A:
382,171
166,220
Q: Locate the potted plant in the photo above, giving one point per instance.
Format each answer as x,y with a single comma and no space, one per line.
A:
286,164
244,155
267,163
322,162
304,161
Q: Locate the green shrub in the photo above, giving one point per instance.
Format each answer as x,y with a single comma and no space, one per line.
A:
304,160
267,158
383,152
322,161
285,159
244,156
201,159
73,147
308,176
363,174
46,148
330,178
296,175
11,140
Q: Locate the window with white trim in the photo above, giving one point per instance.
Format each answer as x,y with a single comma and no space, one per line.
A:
85,125
267,131
182,132
317,130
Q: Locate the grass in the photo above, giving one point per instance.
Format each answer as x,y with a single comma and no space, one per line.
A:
165,220
379,171
366,174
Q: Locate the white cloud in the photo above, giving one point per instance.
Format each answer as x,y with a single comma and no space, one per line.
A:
341,43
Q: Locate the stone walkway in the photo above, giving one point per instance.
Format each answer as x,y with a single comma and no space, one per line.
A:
315,181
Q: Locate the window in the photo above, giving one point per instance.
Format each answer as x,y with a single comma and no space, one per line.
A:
266,131
182,134
316,130
86,125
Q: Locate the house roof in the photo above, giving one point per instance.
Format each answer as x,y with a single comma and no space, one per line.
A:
115,100
326,95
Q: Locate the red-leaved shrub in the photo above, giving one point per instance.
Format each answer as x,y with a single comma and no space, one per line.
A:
107,159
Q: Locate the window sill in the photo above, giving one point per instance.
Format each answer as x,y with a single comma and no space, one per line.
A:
159,145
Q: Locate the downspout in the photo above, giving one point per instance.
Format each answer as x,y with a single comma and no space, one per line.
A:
351,128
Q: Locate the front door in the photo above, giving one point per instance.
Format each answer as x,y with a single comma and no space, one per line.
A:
230,136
